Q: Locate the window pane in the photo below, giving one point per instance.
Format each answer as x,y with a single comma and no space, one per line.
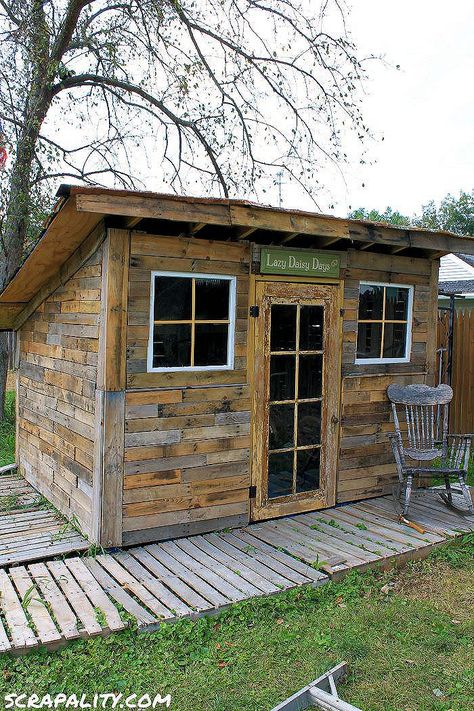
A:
307,470
283,327
311,328
280,474
282,426
172,346
369,340
282,377
370,302
210,347
310,376
394,342
172,298
212,299
309,423
396,304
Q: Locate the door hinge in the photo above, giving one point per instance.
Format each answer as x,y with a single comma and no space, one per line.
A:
342,312
252,492
255,311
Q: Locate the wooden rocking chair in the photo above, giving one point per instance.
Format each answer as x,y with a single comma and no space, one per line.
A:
426,411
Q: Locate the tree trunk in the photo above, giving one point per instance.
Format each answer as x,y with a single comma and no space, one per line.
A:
13,236
3,372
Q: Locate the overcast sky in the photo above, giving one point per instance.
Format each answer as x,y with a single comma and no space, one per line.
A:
425,111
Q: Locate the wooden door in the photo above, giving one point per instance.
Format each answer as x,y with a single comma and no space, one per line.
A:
296,398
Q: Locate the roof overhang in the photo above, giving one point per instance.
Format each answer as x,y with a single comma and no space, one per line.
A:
80,209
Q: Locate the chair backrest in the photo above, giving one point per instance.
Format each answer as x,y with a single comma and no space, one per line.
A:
426,414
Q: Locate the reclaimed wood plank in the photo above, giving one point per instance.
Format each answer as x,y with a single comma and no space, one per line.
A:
130,583
326,541
172,557
215,575
21,634
35,606
112,588
282,570
305,569
155,586
95,593
75,596
265,573
60,607
237,565
173,581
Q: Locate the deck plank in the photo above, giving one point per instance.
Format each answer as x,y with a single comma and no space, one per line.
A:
174,582
112,588
35,606
60,607
156,587
130,583
214,598
75,596
21,634
95,593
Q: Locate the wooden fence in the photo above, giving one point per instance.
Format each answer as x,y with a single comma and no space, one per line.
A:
462,381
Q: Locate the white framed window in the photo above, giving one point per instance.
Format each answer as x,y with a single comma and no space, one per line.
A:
384,323
192,322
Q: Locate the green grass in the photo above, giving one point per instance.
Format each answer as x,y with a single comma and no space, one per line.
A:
7,432
401,646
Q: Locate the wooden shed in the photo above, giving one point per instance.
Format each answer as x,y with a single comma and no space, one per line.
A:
189,364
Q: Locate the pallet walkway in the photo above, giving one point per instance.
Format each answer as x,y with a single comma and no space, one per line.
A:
53,601
29,529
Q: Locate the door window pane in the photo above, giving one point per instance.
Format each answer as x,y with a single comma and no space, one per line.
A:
210,347
394,340
370,302
283,327
307,470
282,377
212,299
311,328
309,423
369,340
173,301
172,345
310,376
282,426
280,474
396,304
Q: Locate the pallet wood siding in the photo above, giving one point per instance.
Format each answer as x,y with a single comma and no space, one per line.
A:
187,435
57,382
366,466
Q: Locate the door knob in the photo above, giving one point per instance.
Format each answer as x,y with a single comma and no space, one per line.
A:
335,420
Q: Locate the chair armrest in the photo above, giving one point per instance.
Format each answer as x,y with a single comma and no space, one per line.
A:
459,450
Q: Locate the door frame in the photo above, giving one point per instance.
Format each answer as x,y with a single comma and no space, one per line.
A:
260,508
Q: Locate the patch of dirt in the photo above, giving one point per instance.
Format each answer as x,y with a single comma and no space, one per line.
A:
450,590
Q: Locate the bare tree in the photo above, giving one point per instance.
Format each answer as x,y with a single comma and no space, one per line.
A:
232,91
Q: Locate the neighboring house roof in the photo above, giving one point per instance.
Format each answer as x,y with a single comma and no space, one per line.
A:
456,267
462,287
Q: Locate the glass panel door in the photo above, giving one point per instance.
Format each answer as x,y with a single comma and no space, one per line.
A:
296,398
296,371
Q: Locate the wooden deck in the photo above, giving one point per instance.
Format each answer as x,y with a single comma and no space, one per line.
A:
53,601
29,528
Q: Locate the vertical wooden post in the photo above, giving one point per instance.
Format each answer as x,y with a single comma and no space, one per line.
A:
110,395
431,340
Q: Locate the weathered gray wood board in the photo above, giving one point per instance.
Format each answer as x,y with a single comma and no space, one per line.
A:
29,529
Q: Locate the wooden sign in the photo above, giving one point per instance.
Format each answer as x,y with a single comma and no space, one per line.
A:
299,262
